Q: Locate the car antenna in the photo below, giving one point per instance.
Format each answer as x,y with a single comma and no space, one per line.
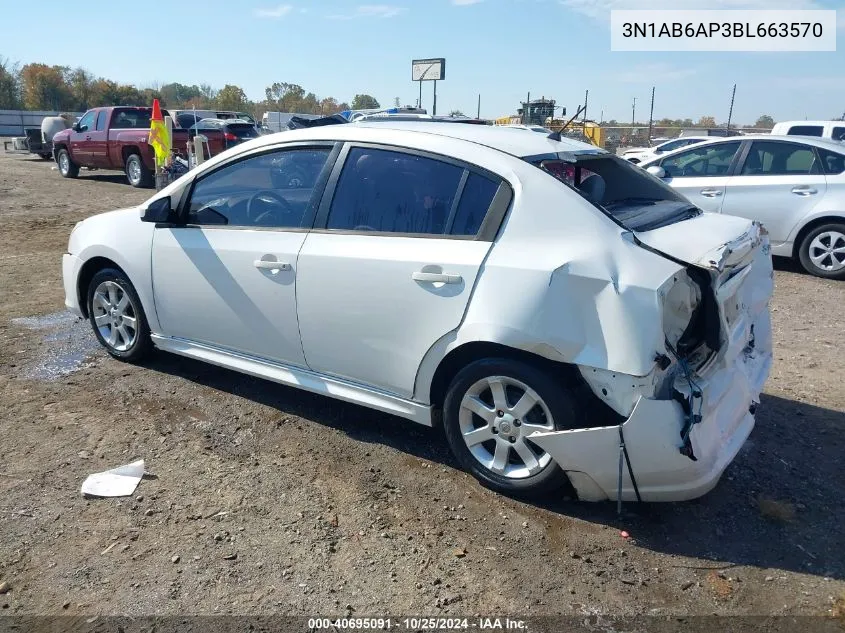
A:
555,136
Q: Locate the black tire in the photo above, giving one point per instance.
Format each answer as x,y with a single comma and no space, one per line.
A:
835,238
67,168
141,346
46,156
137,173
552,393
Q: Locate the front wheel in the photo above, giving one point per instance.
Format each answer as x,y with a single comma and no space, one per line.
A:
822,251
116,314
137,173
491,409
67,168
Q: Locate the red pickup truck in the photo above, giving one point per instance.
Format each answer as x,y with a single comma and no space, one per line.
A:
113,138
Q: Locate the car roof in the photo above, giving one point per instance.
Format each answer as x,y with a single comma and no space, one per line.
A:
509,140
818,122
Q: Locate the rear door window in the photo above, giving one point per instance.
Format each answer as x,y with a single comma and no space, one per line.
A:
832,163
773,158
806,130
385,191
701,161
838,134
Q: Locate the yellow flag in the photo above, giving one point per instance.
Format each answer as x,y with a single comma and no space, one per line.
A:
159,138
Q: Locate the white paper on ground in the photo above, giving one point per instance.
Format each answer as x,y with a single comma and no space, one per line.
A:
117,482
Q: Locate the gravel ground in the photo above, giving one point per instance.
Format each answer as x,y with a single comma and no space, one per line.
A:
264,499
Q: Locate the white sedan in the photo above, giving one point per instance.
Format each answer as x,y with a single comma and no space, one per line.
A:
541,297
794,186
642,154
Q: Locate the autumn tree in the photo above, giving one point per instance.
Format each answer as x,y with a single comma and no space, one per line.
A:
44,87
364,102
9,86
233,98
706,121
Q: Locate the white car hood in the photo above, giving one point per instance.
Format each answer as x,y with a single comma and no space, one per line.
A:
710,240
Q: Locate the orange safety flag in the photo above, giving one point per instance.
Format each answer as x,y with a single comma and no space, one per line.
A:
159,137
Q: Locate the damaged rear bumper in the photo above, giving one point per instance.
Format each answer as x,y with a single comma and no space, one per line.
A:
729,387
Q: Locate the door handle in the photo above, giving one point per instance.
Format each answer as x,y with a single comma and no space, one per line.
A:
87,138
803,191
446,278
268,265
711,193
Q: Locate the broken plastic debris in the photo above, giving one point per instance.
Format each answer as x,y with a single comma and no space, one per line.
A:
117,482
624,534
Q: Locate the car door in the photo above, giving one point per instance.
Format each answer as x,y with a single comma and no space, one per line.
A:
80,138
701,173
392,261
98,142
778,183
228,277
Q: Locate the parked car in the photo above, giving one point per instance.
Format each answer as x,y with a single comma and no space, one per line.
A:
642,154
834,130
224,133
113,138
544,299
187,118
794,186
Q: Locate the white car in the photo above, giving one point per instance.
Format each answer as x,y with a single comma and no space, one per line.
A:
834,130
793,185
543,298
638,155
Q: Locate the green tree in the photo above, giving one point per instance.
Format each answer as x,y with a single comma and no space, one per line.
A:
175,95
80,82
10,89
364,102
44,87
284,97
457,113
765,121
232,97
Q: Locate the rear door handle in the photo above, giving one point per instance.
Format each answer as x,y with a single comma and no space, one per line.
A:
268,265
87,138
804,191
711,193
446,278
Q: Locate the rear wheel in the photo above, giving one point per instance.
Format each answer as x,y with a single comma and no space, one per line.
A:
137,173
491,409
67,168
822,251
117,317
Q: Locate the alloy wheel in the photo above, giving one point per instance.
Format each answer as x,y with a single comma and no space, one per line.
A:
827,251
115,316
496,418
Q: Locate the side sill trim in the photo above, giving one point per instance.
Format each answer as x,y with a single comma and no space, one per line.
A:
299,378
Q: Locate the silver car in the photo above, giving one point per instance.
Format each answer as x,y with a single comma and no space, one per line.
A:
795,186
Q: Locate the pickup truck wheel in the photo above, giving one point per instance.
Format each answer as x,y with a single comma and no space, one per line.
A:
491,409
67,168
137,173
117,316
822,251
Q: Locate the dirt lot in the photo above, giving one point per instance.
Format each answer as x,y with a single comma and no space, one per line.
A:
267,499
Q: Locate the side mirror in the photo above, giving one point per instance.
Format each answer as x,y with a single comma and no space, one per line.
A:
157,211
75,127
656,171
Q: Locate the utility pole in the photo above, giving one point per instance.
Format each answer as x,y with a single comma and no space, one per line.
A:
434,107
478,113
651,116
525,109
633,115
586,98
731,112
601,116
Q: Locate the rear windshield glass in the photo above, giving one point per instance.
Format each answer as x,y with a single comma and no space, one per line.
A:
133,117
242,130
628,194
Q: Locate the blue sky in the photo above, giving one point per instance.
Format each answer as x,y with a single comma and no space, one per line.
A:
502,49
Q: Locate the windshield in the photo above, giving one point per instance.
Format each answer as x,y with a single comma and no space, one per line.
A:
133,117
623,191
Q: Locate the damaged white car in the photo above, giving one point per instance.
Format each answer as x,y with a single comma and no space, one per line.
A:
556,307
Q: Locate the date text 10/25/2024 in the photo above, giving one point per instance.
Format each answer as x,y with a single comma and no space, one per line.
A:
417,624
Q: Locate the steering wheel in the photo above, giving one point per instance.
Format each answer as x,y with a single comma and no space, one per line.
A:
267,197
